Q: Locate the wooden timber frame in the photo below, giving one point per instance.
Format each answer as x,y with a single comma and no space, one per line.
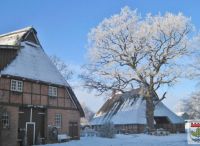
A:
68,103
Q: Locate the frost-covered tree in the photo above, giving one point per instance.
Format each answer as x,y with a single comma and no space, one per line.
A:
193,106
180,107
194,66
88,112
127,50
62,67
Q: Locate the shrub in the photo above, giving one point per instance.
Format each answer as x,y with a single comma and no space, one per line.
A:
107,130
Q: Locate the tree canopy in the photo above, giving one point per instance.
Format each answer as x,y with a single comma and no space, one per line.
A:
126,51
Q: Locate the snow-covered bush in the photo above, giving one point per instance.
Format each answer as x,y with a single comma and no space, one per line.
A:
107,130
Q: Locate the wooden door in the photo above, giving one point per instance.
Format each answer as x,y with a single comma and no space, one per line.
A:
39,119
32,115
73,130
30,132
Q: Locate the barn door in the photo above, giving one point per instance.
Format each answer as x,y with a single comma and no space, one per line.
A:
29,117
162,122
30,132
73,130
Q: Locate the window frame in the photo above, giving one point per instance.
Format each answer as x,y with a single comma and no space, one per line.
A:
16,85
58,120
53,91
5,120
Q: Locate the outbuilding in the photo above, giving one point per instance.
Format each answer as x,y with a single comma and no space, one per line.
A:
127,112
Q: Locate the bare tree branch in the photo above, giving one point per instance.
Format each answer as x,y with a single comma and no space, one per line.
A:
62,67
126,51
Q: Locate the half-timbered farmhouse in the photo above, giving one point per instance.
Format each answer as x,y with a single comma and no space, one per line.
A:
127,112
35,96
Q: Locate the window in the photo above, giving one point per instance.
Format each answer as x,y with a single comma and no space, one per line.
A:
58,120
16,85
52,91
5,120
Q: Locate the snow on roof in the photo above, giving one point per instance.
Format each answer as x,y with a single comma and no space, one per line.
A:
14,37
162,110
131,110
32,63
180,113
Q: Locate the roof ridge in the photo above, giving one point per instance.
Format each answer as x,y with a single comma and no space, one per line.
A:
17,31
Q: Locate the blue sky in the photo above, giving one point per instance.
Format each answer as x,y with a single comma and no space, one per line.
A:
63,26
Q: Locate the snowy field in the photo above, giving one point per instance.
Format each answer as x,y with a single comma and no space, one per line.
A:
130,140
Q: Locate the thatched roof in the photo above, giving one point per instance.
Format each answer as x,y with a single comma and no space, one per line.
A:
129,108
16,37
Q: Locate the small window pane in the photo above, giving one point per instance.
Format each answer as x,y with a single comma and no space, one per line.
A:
13,85
58,120
52,91
5,120
16,85
19,86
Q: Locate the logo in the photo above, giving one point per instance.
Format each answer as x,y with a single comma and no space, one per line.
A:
194,132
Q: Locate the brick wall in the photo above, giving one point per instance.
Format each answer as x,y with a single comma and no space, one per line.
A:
67,116
5,83
9,136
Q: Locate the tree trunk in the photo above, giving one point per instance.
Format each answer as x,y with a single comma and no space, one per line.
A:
150,113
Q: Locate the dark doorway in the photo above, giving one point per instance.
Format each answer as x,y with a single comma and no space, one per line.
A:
73,130
30,130
162,120
38,117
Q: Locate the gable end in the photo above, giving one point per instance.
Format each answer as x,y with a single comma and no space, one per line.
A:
31,36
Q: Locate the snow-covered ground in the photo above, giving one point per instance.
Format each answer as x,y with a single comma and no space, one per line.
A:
130,140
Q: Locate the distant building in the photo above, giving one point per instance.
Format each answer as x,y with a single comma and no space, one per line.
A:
127,112
33,92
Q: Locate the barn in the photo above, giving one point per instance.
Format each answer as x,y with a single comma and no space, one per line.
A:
127,112
37,101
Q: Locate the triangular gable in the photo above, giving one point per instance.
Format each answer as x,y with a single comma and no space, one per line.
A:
16,37
32,63
31,37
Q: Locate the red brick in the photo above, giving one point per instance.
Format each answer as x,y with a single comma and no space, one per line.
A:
36,88
26,98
